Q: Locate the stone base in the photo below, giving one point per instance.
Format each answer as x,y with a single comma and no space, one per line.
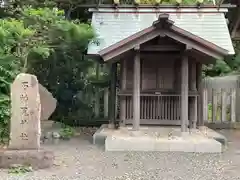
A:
37,159
158,139
214,135
185,144
99,136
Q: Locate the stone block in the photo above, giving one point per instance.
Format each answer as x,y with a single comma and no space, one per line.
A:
180,145
208,146
48,103
99,137
25,128
162,145
37,159
215,135
129,144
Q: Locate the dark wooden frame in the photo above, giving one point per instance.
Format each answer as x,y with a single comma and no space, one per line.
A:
194,49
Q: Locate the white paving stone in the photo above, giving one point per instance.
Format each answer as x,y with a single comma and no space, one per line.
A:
129,144
208,146
182,145
162,145
157,139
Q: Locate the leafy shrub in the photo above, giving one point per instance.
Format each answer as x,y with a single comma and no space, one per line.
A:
67,132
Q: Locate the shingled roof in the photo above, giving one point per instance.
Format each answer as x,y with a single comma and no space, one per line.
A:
113,25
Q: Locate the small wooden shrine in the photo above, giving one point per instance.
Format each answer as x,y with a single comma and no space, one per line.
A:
161,54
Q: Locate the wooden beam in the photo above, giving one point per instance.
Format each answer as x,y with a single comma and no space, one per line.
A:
200,98
193,87
112,112
184,93
193,44
155,122
136,91
123,88
160,48
131,45
144,6
200,57
106,94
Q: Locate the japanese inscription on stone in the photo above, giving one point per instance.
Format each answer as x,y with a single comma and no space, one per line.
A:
25,127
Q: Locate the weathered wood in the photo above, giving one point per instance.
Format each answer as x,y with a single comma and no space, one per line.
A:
193,87
126,47
162,94
176,74
233,105
223,105
94,7
155,122
184,93
123,87
200,98
136,91
214,105
193,78
195,113
194,45
112,111
97,93
106,94
161,48
205,105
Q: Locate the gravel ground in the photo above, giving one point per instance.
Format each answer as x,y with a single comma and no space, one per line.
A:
78,159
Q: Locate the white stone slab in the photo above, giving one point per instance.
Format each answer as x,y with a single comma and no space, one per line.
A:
25,130
129,144
182,145
162,145
208,146
156,139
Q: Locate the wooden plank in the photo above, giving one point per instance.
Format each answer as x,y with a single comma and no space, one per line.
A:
123,88
145,108
130,45
193,79
184,93
106,94
200,97
223,105
214,105
141,106
156,122
195,113
205,105
97,92
160,48
113,93
233,105
136,92
193,44
154,107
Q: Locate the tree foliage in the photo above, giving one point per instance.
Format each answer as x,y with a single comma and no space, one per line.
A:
41,41
64,72
12,33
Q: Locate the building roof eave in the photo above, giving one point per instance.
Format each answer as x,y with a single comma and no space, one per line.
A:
163,25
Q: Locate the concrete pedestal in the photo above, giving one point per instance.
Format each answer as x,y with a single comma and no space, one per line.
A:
159,139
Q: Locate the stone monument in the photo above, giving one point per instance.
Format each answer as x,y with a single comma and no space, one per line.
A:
25,126
25,130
